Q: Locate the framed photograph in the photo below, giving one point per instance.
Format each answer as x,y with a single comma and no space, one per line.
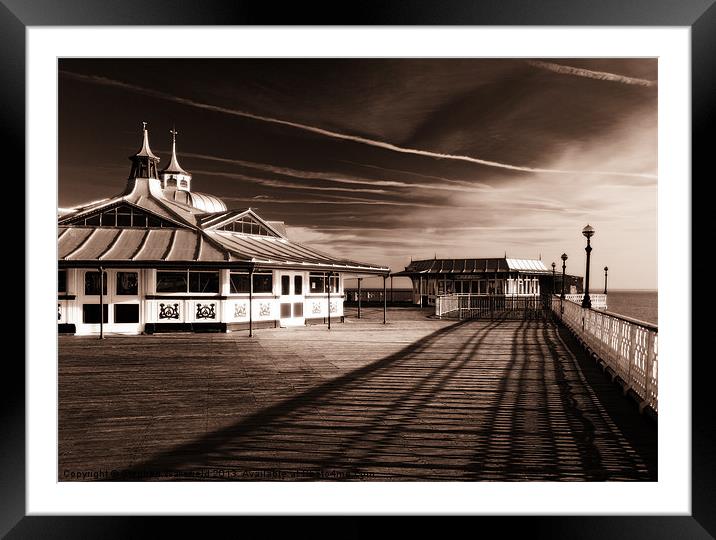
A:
408,263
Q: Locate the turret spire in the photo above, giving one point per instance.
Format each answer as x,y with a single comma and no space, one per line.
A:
173,175
144,162
174,166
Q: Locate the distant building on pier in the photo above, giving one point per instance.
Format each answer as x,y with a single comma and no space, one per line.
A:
494,276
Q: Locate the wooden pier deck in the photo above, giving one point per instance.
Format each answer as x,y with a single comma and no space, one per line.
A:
417,399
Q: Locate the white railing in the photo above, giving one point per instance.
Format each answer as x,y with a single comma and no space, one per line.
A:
599,300
628,346
447,304
468,305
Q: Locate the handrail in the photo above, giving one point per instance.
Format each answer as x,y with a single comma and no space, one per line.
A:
627,346
469,305
599,300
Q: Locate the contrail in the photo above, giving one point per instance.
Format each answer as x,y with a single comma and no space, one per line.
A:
345,200
581,72
328,133
467,187
287,185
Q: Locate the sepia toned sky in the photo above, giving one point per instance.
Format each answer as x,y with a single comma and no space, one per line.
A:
381,160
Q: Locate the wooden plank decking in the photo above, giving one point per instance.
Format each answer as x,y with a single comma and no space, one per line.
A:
416,399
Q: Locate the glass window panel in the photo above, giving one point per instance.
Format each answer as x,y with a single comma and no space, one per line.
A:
127,283
90,313
298,309
204,282
92,280
297,284
317,283
62,281
126,313
334,284
124,220
240,283
171,282
139,220
153,221
109,219
263,283
285,284
92,220
285,311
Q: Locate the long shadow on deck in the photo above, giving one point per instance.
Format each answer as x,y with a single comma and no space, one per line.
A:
471,401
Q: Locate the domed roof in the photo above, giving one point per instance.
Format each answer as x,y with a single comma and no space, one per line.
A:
205,202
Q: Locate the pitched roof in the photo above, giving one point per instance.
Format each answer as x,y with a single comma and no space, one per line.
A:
187,235
473,266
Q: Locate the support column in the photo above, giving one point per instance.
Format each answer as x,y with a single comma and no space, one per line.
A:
385,300
420,289
329,299
101,303
251,299
359,294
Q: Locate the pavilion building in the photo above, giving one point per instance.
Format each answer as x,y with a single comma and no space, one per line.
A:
160,257
493,276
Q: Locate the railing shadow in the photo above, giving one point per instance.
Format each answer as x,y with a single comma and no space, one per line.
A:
260,431
471,401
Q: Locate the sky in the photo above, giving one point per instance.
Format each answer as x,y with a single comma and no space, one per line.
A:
384,160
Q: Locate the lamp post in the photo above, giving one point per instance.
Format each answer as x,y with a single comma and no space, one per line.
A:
564,268
588,232
606,269
553,267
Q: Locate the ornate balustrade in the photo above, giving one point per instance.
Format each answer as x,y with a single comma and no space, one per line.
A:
599,300
627,346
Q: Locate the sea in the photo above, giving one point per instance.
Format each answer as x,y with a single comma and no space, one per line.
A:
637,304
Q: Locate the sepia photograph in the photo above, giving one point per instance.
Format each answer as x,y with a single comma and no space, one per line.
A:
357,269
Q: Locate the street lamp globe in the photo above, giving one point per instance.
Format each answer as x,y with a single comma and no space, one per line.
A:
564,257
588,231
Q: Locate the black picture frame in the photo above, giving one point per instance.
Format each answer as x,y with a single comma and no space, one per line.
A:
699,15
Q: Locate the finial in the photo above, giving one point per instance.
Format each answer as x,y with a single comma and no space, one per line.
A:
144,126
174,133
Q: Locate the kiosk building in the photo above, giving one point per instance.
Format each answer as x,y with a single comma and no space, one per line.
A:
162,257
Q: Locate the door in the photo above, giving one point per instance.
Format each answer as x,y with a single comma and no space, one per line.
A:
291,298
124,301
120,301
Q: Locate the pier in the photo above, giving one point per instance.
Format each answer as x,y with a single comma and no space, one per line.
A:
417,399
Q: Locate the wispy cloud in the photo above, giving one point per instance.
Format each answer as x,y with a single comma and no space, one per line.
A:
590,74
329,133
